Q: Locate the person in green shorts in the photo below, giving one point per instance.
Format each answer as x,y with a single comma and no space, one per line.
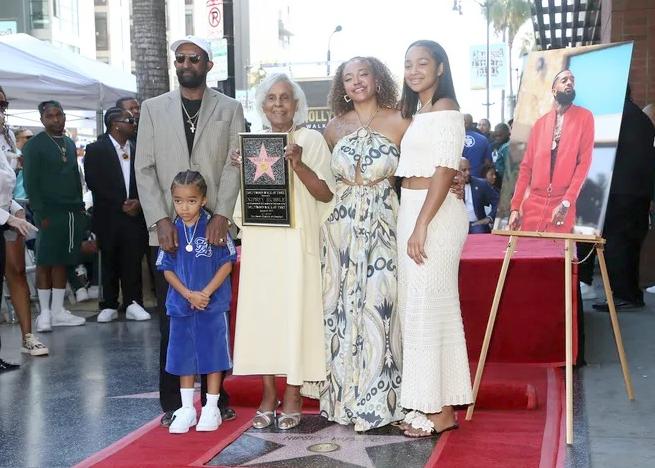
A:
53,185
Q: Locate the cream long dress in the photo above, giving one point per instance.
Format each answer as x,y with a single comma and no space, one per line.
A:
435,362
279,328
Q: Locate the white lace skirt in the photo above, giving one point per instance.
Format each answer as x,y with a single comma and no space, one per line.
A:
435,362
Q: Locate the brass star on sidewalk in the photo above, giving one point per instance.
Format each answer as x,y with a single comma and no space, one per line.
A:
337,442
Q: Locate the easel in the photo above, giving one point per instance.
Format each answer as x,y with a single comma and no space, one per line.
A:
569,240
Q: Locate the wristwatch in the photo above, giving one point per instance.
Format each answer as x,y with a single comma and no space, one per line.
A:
566,204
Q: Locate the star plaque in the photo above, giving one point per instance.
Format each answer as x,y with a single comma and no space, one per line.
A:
266,182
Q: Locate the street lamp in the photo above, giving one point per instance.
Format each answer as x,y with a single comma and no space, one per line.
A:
336,30
457,6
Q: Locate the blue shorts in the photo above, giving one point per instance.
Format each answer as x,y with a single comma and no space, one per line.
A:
199,344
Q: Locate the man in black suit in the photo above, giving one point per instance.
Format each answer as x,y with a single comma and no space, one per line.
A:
626,221
131,105
478,194
117,219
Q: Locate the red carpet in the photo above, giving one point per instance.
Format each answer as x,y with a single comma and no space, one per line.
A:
518,419
511,439
516,424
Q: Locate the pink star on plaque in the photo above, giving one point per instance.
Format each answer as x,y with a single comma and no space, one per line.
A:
263,164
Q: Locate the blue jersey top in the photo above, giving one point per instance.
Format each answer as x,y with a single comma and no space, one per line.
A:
195,269
476,150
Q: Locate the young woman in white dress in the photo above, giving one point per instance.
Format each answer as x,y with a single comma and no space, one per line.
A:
432,229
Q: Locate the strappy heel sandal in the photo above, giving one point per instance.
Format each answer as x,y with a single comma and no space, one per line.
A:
286,421
421,426
405,424
264,419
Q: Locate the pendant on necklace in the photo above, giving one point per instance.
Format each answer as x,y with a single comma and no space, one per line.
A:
362,132
192,127
189,248
63,154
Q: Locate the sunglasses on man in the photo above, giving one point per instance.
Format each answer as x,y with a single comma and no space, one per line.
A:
127,120
193,58
5,104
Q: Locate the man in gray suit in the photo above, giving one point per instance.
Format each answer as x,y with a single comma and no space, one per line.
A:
193,127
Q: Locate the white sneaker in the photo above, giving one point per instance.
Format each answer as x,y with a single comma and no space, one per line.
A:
183,419
587,291
44,321
93,292
64,318
81,295
210,419
135,312
107,315
33,347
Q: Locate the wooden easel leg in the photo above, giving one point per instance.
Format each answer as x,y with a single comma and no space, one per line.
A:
490,324
568,311
600,251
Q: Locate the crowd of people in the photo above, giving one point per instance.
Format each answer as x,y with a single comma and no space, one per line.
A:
361,309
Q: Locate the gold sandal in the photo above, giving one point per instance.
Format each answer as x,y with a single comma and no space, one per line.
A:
264,419
286,421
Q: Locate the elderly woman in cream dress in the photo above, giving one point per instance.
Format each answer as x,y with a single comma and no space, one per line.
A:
279,329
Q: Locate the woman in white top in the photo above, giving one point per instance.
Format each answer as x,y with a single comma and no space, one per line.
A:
432,228
14,241
11,220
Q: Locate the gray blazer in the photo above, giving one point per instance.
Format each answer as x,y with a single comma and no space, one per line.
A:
162,152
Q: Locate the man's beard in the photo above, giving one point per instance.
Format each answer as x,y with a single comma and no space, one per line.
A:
565,99
189,79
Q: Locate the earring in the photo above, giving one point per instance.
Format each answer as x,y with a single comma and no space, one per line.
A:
346,98
378,88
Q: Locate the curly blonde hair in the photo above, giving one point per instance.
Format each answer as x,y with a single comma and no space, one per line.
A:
387,96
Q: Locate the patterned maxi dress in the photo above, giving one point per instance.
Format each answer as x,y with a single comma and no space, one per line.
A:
359,287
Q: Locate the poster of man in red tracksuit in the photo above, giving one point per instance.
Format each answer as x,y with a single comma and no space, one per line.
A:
557,159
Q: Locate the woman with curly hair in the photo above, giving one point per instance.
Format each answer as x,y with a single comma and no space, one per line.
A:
359,252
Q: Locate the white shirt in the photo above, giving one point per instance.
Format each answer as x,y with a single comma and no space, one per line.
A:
6,146
8,206
468,198
125,163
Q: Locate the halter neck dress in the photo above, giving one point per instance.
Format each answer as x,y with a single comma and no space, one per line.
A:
359,286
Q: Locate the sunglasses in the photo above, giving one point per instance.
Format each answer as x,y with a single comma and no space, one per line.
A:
127,120
5,104
193,58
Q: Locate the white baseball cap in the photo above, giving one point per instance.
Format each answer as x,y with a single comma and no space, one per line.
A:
195,40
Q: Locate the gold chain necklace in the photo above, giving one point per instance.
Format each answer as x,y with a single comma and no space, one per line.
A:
191,120
364,131
62,150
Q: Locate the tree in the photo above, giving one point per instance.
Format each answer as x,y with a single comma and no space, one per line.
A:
150,51
506,17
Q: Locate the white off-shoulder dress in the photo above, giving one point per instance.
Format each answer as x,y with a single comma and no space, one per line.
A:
435,362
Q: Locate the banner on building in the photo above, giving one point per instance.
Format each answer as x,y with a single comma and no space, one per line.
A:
8,27
499,55
219,54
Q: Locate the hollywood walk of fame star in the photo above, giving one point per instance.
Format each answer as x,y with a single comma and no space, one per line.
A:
352,446
263,164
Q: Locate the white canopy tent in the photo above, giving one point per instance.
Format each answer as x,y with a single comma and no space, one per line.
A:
32,71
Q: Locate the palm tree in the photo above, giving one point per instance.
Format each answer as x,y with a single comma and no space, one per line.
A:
149,52
506,17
